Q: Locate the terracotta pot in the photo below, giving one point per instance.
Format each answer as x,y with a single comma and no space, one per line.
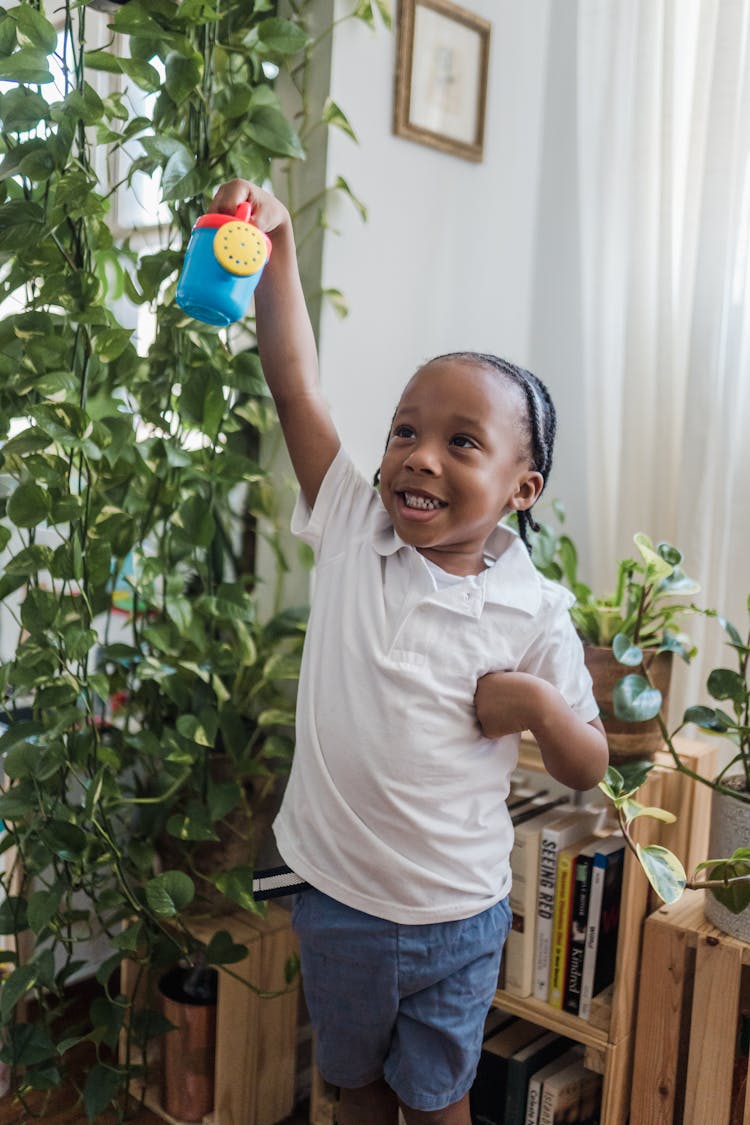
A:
188,1052
730,829
627,741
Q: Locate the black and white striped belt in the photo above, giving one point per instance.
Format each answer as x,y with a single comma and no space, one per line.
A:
277,881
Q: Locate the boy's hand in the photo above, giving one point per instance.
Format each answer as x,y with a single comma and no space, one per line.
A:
268,213
574,752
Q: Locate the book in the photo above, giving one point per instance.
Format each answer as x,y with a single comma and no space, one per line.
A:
537,805
561,921
537,1079
518,953
558,834
521,1065
496,1020
565,1091
603,920
487,1097
578,919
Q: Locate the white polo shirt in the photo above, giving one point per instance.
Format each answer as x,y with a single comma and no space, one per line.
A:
396,801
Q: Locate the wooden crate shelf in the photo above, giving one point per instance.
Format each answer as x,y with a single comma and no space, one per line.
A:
694,981
256,1037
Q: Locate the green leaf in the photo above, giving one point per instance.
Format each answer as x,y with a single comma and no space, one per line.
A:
64,839
28,1045
21,109
735,896
27,65
634,700
337,301
342,185
626,652
195,824
100,1090
169,893
237,885
282,36
35,27
269,128
658,567
632,809
724,683
664,871
183,75
221,950
28,505
705,717
30,560
43,906
111,343
333,114
13,916
15,987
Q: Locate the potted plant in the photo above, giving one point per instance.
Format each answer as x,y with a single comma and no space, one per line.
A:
726,877
630,636
148,697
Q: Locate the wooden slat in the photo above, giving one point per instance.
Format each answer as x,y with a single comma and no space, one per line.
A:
658,1023
277,1045
713,1031
237,1037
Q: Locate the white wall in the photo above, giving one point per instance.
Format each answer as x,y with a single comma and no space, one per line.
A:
454,254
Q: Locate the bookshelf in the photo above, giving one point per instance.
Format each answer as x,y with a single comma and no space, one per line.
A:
608,1036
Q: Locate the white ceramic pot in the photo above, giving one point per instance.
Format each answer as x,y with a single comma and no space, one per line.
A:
730,829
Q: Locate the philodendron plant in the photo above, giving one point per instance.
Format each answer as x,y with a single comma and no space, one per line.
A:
642,615
131,490
728,718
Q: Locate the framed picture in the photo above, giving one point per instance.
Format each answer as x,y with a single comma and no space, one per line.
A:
441,76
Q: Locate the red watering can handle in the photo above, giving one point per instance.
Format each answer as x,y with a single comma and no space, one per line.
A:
244,212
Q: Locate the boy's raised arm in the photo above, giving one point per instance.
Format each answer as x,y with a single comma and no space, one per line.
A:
285,340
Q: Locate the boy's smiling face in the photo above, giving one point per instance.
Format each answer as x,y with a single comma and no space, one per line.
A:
457,460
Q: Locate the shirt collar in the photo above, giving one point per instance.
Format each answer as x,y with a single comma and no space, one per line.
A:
512,580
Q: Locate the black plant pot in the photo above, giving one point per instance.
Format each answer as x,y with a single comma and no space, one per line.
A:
188,1000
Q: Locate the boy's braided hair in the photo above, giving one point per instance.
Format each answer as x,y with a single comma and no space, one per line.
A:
542,421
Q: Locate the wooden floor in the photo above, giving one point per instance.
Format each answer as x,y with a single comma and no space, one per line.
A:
64,1109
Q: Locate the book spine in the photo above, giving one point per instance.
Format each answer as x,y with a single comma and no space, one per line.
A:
559,1100
609,922
578,920
561,928
518,953
592,936
532,1102
545,909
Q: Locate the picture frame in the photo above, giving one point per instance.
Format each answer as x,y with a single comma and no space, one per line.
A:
442,65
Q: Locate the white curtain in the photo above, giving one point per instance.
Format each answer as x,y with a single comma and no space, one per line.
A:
663,114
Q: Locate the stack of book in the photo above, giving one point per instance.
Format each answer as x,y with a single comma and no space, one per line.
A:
529,1076
567,882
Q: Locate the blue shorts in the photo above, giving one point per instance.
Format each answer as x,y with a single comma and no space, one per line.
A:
407,1003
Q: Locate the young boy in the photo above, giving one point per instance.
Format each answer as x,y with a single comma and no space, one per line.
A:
432,643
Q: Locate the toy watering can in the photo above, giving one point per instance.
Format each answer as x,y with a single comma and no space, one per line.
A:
223,264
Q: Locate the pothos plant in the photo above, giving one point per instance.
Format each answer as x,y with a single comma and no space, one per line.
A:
132,490
728,718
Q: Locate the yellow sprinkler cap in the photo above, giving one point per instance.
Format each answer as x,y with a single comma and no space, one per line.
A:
240,248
